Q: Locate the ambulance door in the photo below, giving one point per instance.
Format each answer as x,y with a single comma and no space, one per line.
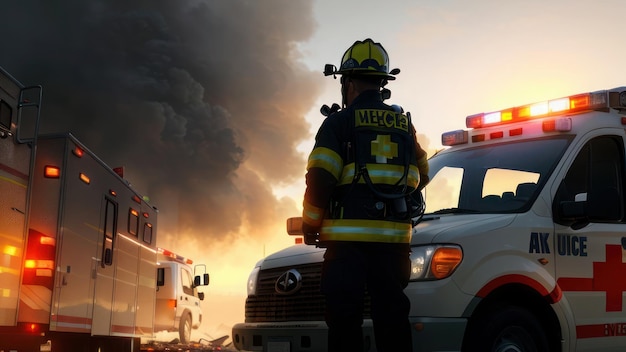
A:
79,229
14,165
589,244
105,272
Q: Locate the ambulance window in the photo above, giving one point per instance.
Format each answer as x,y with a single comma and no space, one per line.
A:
447,184
605,199
147,233
504,177
504,182
596,176
110,228
5,115
133,221
185,276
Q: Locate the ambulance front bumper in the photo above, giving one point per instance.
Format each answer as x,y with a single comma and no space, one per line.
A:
429,334
437,334
290,336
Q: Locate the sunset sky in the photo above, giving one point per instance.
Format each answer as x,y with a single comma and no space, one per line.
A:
212,106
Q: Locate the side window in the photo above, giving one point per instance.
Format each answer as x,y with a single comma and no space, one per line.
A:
5,116
133,221
596,177
185,277
605,194
147,232
110,228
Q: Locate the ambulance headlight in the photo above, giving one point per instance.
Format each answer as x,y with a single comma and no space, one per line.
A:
434,262
252,280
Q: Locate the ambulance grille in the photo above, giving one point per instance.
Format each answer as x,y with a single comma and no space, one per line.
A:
307,304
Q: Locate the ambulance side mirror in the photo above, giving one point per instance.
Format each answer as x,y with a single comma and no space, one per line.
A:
201,280
575,209
294,226
573,213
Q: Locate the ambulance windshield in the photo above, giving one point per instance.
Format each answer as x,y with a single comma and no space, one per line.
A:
502,178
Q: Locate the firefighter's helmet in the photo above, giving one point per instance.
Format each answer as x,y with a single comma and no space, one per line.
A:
364,58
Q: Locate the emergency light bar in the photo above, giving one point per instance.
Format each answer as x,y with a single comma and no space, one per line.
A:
574,103
599,101
172,255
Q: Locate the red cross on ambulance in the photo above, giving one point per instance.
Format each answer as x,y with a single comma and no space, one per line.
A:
608,277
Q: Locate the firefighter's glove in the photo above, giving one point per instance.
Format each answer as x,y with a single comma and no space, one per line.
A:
311,234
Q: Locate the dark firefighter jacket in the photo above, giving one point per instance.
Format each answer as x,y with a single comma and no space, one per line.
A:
365,161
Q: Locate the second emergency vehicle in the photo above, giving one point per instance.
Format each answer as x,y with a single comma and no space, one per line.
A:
177,297
522,246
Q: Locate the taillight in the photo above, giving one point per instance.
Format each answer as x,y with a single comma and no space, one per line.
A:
39,259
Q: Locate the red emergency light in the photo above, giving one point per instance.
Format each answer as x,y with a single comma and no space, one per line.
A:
78,152
174,256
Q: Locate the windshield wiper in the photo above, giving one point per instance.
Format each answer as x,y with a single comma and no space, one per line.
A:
456,211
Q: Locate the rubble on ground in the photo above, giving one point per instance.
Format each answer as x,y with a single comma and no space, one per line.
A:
203,345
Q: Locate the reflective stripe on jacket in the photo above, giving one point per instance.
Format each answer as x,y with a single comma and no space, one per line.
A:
365,230
368,135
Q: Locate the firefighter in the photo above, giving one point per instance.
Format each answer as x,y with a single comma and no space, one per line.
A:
363,174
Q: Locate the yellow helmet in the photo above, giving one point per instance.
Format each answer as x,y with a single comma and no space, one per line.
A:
364,58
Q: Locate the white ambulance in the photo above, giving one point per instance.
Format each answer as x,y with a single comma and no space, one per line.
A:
177,297
522,246
78,254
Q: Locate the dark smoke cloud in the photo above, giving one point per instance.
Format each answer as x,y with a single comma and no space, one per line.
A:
202,101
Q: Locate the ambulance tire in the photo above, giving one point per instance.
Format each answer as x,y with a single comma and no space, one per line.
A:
510,329
184,328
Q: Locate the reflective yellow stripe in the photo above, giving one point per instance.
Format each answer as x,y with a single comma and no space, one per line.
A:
15,182
326,159
382,174
365,231
347,175
312,215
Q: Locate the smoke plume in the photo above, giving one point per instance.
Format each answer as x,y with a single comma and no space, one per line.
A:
202,101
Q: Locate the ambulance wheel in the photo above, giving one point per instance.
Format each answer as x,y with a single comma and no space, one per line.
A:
511,329
184,328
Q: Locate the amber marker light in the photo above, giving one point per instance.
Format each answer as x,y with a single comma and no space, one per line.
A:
50,171
84,178
445,260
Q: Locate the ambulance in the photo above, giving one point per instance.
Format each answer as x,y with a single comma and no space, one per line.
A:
522,246
177,297
78,253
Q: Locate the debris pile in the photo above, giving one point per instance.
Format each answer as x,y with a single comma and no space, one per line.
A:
175,346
